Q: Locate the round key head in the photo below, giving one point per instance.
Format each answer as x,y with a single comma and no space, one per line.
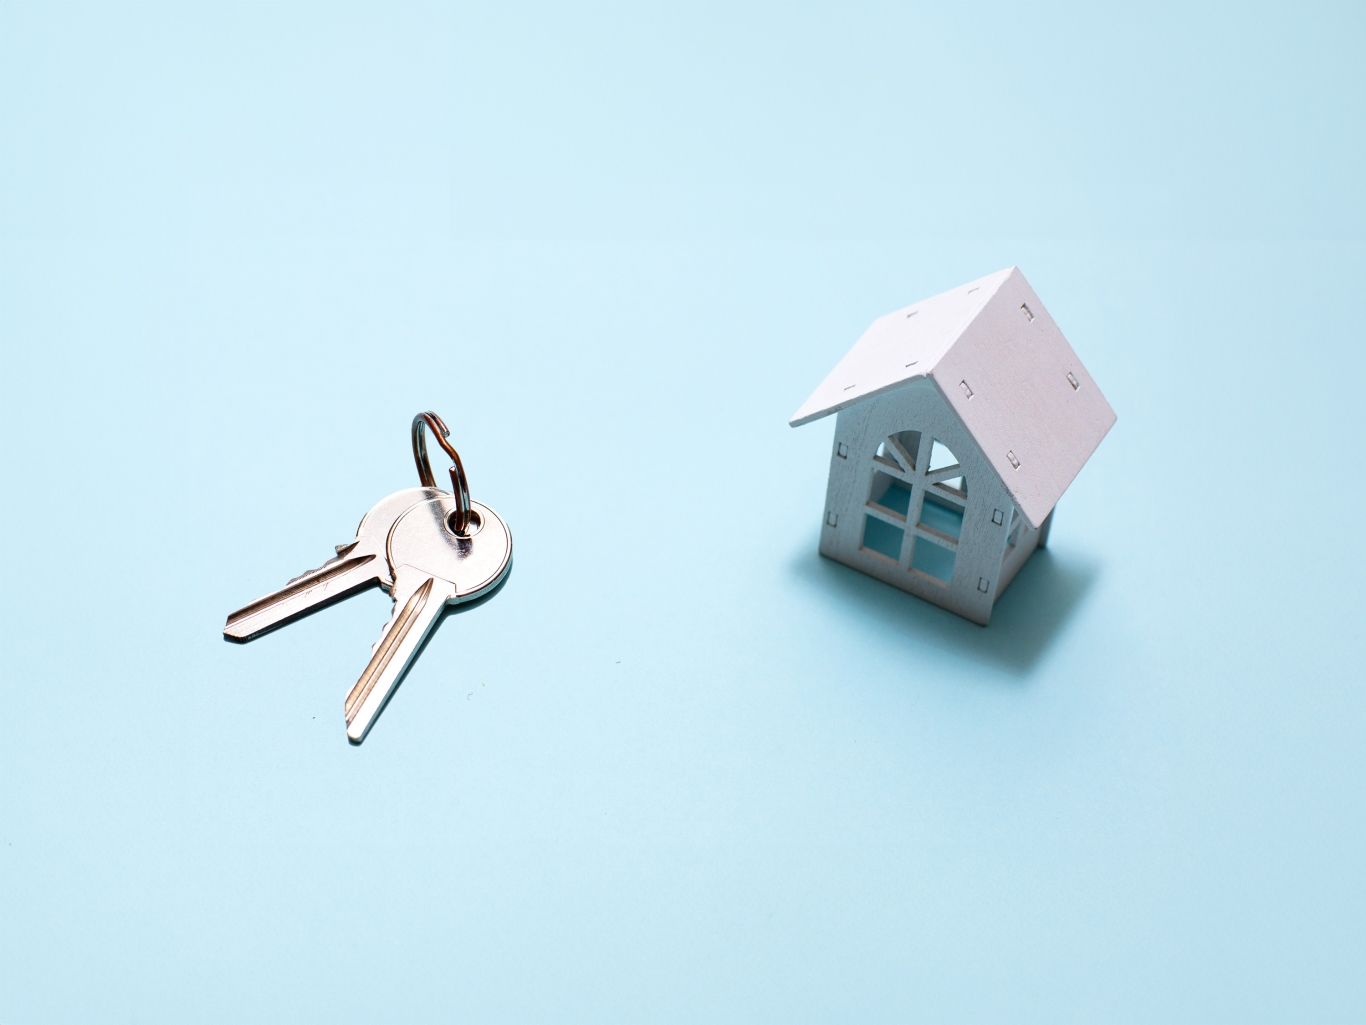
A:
475,562
381,518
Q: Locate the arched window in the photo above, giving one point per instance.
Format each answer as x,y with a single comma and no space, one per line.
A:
916,497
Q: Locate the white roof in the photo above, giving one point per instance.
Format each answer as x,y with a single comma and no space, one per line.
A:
1002,364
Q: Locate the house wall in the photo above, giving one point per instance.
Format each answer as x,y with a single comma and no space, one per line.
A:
1026,542
980,553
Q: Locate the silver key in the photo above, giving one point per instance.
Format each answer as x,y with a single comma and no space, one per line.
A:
358,565
433,567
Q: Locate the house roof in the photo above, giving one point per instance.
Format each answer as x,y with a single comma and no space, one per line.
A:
996,355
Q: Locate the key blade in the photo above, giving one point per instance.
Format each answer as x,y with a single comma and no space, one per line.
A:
337,579
414,618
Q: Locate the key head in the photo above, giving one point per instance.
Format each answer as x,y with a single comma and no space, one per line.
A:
422,539
380,520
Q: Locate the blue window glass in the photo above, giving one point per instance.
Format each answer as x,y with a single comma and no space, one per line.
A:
932,559
883,538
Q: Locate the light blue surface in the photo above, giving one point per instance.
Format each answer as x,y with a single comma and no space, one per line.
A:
681,768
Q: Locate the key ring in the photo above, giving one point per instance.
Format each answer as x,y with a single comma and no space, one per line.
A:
460,487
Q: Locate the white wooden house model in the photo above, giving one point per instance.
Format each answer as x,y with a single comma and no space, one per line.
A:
961,421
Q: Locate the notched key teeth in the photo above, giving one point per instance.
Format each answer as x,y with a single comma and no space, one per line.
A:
341,550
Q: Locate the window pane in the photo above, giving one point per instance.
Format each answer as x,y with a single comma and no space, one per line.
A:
890,493
941,515
941,457
933,560
910,444
882,537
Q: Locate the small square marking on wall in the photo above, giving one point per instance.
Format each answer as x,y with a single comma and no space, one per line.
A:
1013,461
982,584
998,517
1072,380
842,450
966,390
831,519
1027,311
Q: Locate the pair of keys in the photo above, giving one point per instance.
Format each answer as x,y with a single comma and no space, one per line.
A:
427,548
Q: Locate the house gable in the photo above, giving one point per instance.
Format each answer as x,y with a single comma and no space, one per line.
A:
853,500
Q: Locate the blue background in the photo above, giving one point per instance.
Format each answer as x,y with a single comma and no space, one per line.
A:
680,768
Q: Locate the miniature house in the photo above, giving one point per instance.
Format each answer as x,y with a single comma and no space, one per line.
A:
960,422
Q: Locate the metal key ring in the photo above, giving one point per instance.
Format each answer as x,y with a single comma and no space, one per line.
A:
460,487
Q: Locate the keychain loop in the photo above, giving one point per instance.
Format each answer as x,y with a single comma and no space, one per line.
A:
460,487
